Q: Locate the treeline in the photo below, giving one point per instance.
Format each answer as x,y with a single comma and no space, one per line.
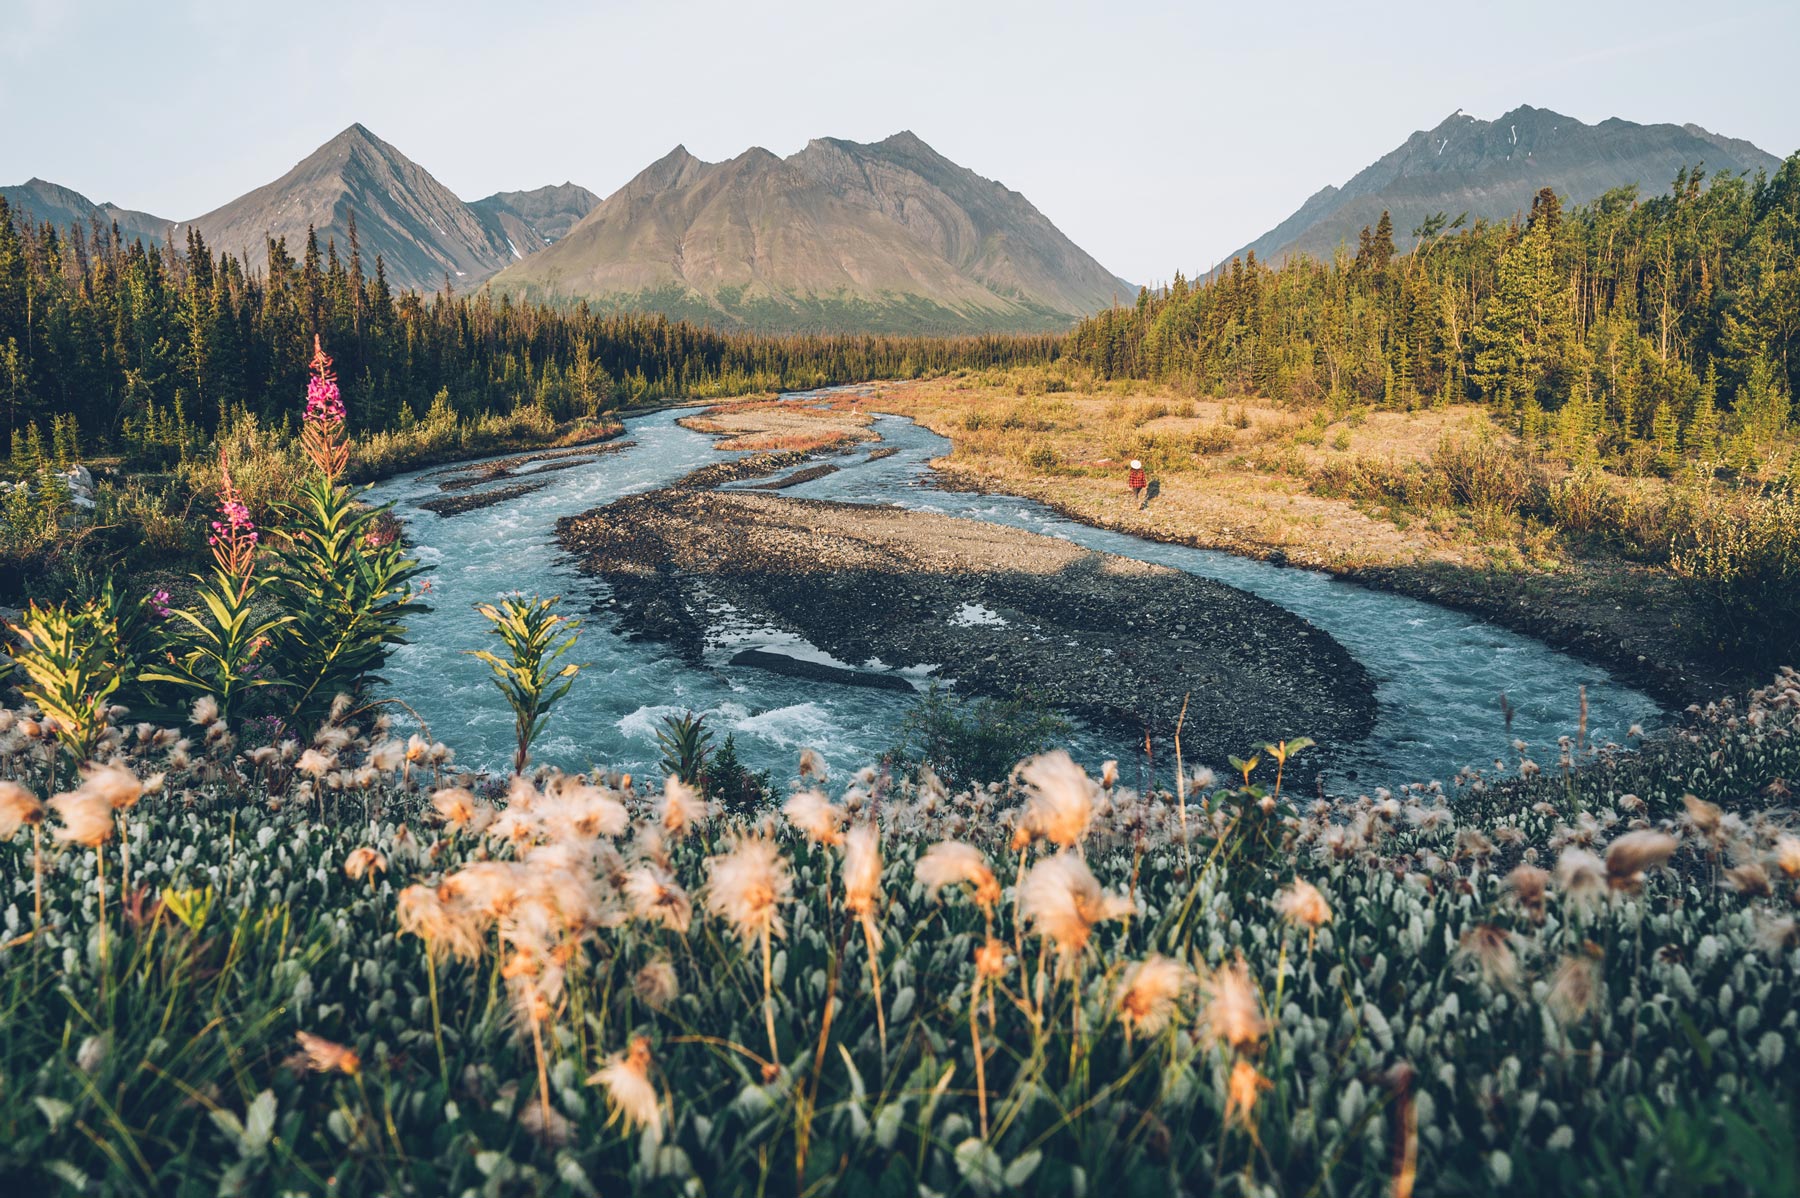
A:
149,352
1642,329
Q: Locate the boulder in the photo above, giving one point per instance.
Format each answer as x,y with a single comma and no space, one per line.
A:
79,481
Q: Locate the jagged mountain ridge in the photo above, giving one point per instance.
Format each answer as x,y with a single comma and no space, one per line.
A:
889,236
534,219
1491,169
987,230
40,200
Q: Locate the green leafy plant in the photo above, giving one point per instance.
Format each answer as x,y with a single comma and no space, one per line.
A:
975,740
70,660
78,658
346,583
342,573
218,651
536,638
686,744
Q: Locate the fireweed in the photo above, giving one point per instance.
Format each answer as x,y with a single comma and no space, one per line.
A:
340,570
291,615
216,647
1467,1016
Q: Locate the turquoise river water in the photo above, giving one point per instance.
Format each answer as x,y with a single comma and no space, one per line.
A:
1439,672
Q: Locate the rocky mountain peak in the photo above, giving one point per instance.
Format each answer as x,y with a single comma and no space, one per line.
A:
841,234
1489,170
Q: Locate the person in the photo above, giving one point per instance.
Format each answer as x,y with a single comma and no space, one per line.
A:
1139,484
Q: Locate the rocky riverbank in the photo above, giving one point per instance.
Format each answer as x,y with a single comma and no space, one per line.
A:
475,474
1624,617
1115,642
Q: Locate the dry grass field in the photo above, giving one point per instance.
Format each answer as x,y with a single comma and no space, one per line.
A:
1428,502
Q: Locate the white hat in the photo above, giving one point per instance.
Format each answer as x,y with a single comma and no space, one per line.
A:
1136,465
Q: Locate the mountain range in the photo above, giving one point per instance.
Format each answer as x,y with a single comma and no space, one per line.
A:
890,236
422,232
840,236
41,201
1490,170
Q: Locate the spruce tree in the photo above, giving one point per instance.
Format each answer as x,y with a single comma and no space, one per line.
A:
1382,248
1665,434
1701,437
1534,423
64,443
28,462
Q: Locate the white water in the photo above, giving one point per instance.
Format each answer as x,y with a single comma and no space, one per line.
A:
1439,672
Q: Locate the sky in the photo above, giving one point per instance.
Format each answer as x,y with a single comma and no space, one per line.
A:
1159,136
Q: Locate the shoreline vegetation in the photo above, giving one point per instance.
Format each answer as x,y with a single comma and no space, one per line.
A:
1256,480
255,938
248,963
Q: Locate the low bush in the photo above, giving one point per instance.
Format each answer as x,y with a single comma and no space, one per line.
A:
1211,439
1583,503
1483,472
970,741
1740,558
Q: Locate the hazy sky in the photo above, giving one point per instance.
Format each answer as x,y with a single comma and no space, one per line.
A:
1158,136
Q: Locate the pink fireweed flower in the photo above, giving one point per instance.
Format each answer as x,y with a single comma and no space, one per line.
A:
237,520
322,430
234,537
324,405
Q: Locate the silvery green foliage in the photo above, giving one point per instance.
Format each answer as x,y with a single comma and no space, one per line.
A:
1625,1039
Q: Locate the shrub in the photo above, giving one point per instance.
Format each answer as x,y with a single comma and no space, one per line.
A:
1026,417
726,780
970,741
149,513
1584,503
1212,438
1482,472
1739,556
